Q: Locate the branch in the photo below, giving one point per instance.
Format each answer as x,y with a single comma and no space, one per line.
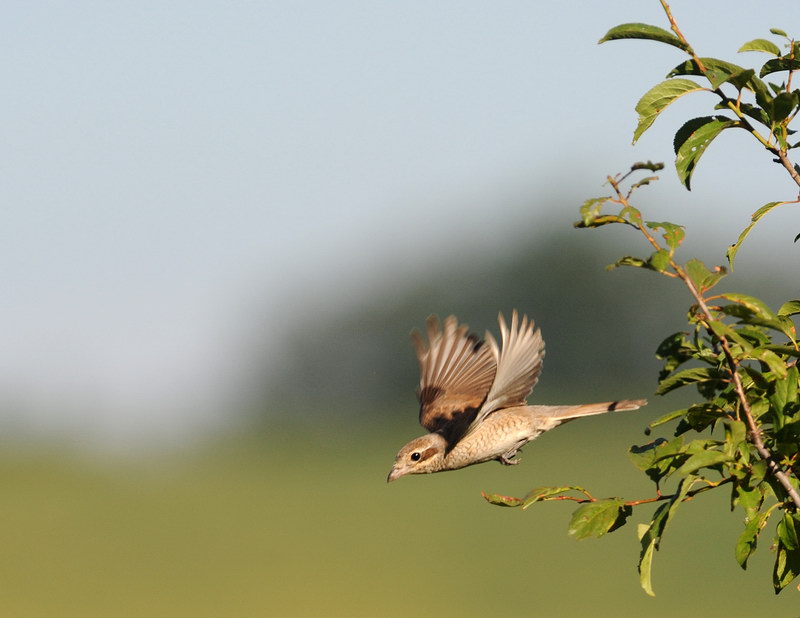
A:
783,158
733,366
659,497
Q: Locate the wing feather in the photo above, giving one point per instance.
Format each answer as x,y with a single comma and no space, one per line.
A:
456,373
519,363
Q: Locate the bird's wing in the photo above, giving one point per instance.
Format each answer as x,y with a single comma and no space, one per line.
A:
456,372
519,363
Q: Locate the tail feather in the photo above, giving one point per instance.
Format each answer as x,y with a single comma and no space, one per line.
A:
565,413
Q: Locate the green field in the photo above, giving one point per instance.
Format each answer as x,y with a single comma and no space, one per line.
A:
300,522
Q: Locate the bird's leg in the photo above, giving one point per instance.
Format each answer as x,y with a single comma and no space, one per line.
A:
507,458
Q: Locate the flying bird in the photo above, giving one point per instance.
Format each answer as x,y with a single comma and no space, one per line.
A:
473,397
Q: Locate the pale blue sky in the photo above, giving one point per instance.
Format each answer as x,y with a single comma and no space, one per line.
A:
178,177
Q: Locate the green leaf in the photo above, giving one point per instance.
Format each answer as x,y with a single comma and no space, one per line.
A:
787,561
748,540
786,390
784,349
597,518
756,305
762,92
772,360
650,536
761,45
782,106
791,307
670,416
701,415
674,351
778,32
787,532
753,377
735,436
632,215
691,142
659,260
758,471
644,456
656,100
543,493
775,65
754,334
643,31
716,71
673,234
644,181
688,376
754,311
756,113
703,459
658,458
743,79
503,500
719,72
628,260
702,278
734,248
721,329
591,209
749,498
758,408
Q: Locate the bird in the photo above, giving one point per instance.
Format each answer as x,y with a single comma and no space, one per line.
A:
473,397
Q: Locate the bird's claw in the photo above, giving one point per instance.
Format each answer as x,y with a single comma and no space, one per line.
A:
507,459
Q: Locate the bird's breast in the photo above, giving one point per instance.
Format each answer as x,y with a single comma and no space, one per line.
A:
500,432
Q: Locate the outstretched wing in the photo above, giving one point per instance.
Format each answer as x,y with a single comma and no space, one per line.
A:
456,372
519,363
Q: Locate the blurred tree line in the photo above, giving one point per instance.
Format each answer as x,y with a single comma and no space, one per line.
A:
598,325
591,320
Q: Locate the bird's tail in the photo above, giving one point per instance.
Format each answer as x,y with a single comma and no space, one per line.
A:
566,413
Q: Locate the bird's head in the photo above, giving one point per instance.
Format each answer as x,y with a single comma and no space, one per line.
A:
422,455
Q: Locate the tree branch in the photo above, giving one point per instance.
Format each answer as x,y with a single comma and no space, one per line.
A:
733,366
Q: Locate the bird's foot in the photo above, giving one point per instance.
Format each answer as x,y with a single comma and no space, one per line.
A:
508,459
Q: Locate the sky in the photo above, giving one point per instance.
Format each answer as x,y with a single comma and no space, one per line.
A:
182,179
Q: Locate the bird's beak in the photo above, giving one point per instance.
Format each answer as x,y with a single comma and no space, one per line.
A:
395,474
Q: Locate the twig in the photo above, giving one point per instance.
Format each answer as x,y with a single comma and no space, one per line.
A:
784,160
659,497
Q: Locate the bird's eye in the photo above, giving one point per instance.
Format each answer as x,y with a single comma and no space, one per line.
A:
415,456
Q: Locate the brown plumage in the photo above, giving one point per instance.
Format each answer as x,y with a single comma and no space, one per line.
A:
473,394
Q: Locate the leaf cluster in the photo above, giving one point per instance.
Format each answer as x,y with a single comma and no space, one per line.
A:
740,355
759,100
764,108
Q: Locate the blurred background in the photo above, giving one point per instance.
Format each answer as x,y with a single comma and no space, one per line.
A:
222,219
